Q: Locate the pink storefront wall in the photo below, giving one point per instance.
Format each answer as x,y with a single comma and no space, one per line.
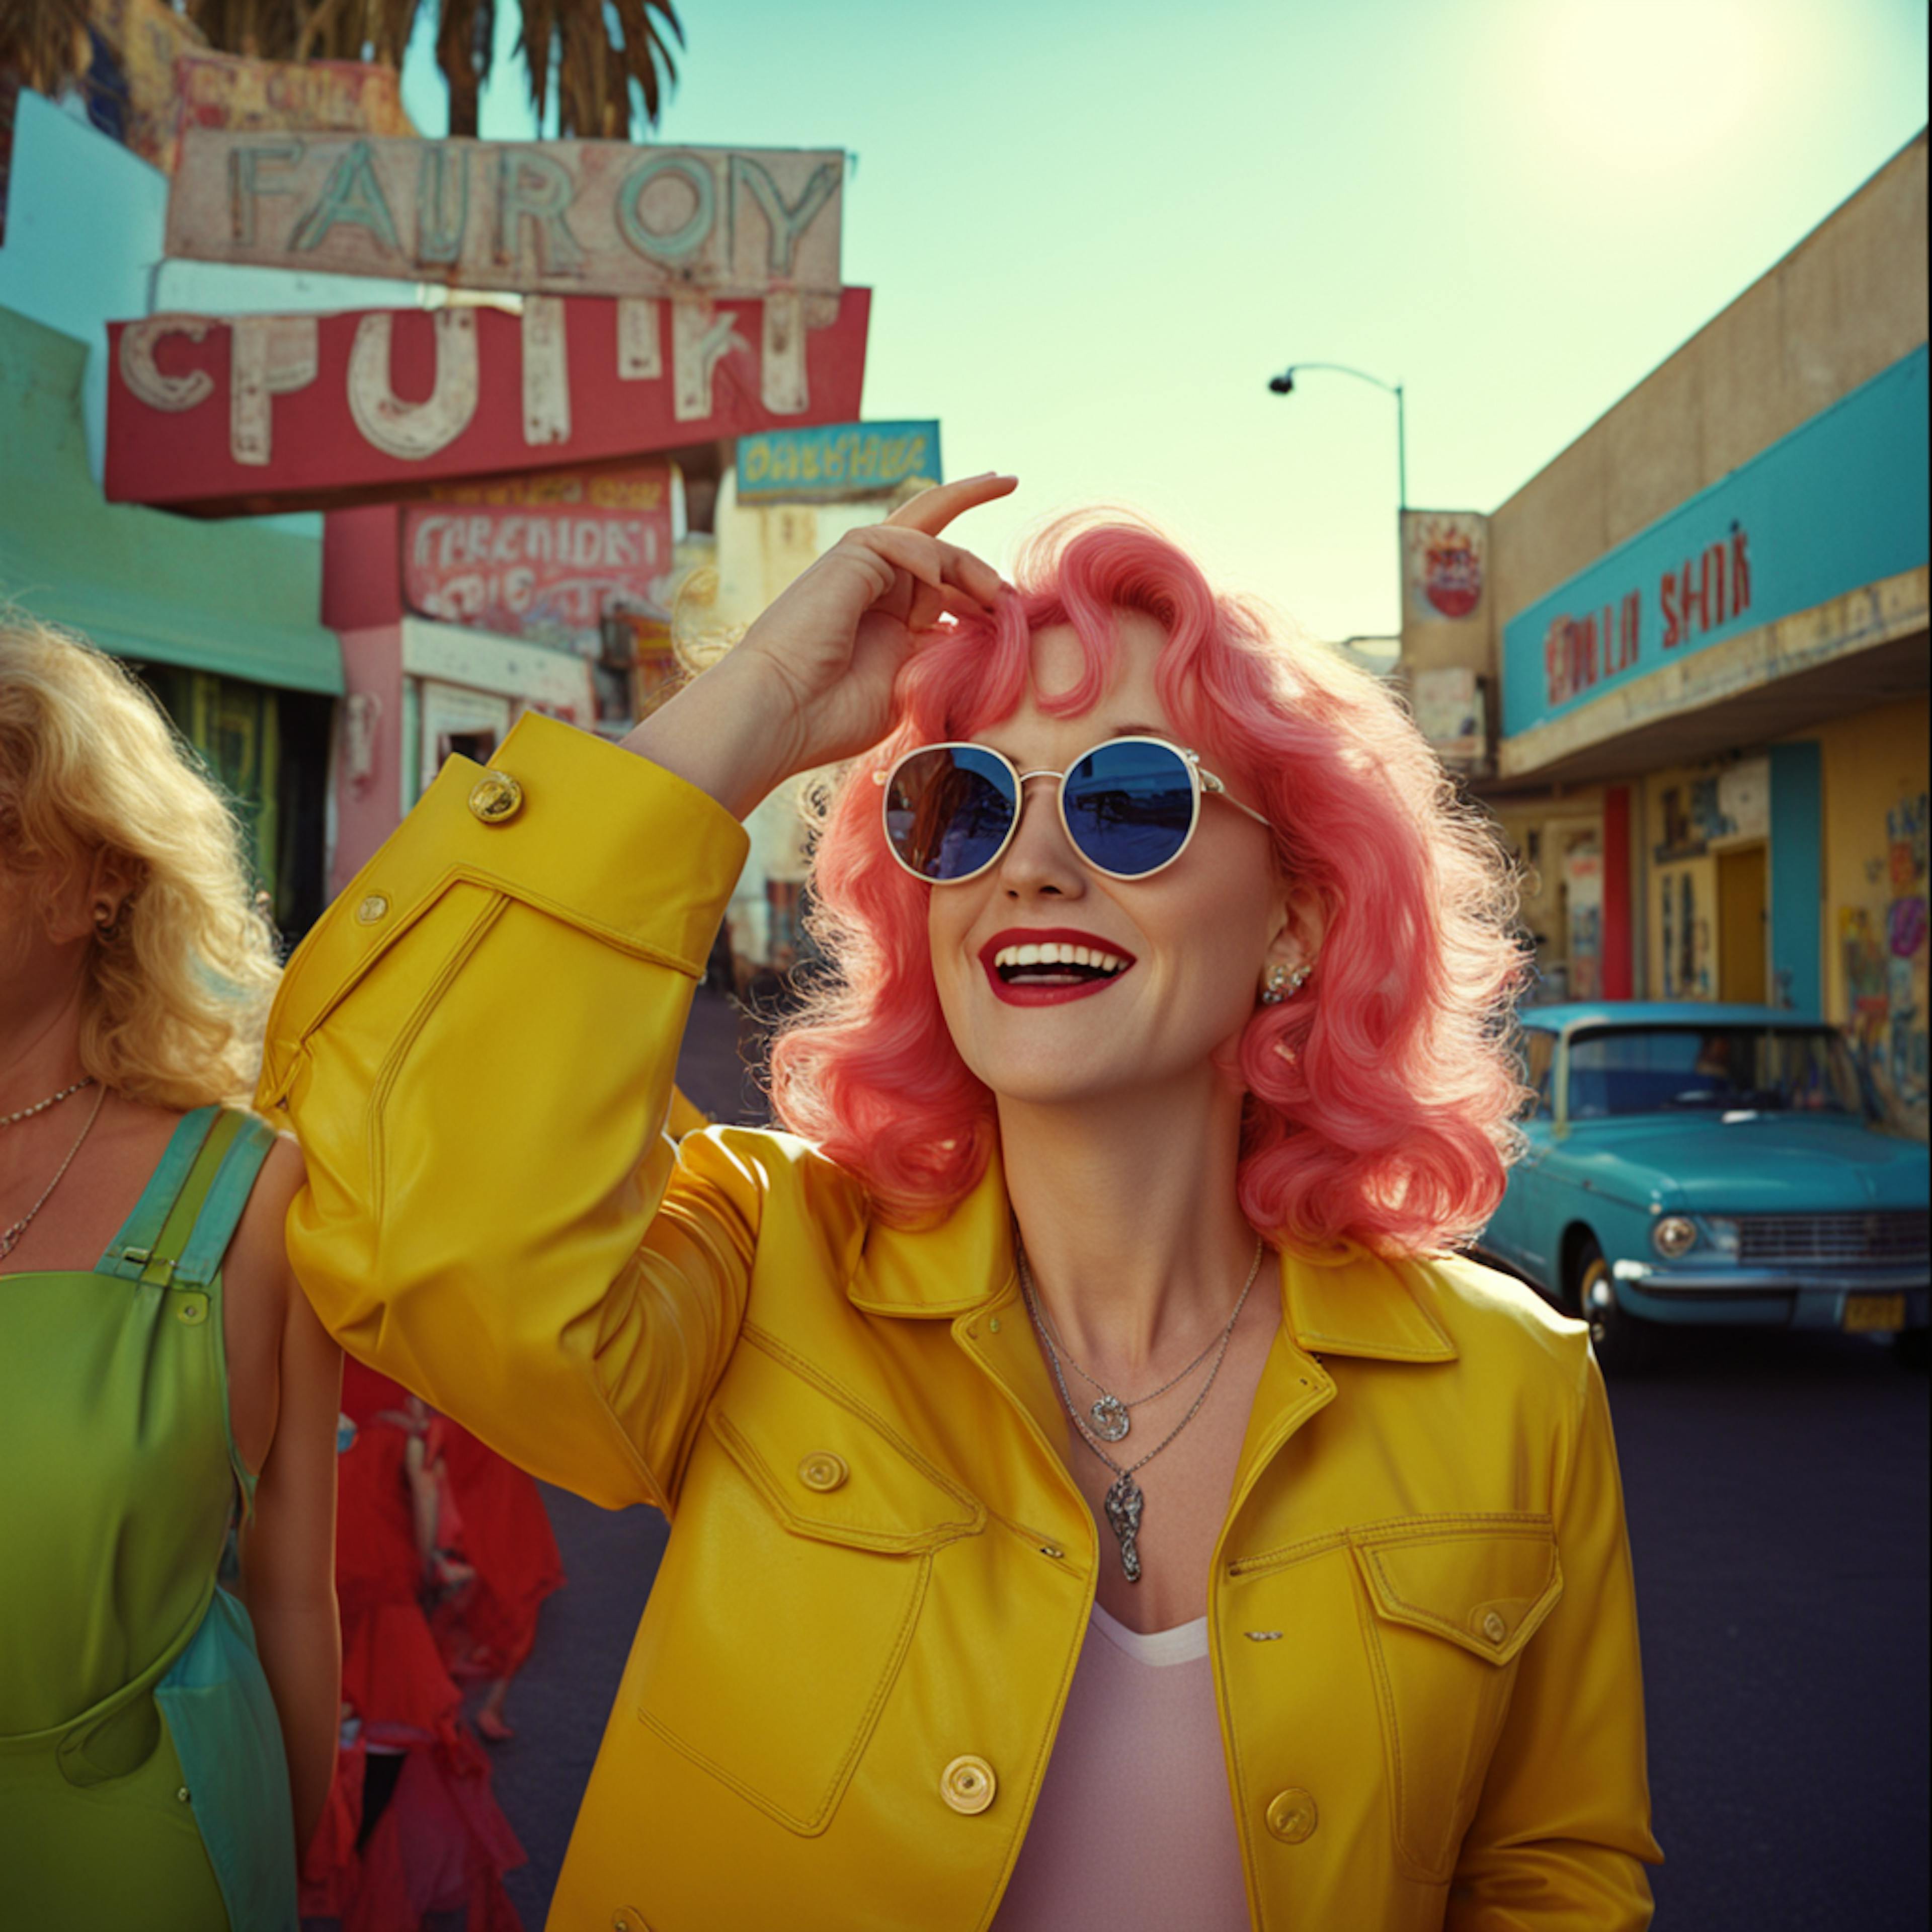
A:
361,602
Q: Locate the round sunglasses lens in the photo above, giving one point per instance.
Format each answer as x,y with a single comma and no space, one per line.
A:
947,809
1129,806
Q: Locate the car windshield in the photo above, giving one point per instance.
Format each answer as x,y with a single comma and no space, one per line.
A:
1711,1069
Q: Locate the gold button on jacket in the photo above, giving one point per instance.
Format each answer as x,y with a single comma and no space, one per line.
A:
496,798
1292,1816
968,1785
712,1326
823,1472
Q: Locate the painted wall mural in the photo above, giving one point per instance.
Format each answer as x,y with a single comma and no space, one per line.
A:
1882,946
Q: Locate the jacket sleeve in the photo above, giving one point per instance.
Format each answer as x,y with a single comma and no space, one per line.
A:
475,1047
1561,1833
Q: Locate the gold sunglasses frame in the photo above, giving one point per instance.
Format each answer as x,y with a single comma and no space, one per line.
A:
1202,782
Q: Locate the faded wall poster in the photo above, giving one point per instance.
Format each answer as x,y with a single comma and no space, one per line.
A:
1444,565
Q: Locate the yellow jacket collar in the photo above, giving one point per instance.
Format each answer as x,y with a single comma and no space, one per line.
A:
1337,1300
947,1268
1342,1300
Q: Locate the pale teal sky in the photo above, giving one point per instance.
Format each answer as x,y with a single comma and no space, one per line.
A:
1095,227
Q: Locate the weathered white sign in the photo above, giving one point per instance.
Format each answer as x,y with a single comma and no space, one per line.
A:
556,218
1449,708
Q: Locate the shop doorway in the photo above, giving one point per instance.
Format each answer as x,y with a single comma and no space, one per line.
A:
1743,926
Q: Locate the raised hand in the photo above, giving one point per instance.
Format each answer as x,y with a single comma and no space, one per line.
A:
811,681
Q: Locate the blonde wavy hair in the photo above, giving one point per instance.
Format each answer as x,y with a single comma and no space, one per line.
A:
177,995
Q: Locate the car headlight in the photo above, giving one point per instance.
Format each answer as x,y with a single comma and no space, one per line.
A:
1674,1235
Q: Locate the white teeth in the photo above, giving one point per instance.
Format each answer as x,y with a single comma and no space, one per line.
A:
1054,953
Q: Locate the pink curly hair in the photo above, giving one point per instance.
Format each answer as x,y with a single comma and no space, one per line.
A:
1379,1103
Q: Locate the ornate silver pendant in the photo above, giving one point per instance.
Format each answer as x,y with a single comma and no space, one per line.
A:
1124,1502
1110,1418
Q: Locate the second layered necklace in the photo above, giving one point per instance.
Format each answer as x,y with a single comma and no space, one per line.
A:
1107,1417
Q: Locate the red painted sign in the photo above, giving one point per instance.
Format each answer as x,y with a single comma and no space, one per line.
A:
1443,553
1715,585
225,91
1701,594
1452,576
251,414
548,571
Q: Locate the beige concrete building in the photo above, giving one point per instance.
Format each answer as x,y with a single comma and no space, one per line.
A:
1697,648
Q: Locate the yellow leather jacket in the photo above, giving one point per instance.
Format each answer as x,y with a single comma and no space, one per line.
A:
843,1694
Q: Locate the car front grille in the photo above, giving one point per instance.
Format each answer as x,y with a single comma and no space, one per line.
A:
1885,1237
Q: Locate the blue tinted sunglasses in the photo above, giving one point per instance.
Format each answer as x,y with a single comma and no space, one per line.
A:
1130,807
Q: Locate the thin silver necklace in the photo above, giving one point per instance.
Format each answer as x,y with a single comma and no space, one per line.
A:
1125,1502
1107,1416
10,1239
41,1106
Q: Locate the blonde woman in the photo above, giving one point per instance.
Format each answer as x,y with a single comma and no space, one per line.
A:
165,1745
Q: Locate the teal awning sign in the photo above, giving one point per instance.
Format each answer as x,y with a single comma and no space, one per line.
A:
836,462
1839,502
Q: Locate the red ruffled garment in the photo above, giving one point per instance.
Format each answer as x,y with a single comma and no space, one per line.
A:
495,1521
442,1843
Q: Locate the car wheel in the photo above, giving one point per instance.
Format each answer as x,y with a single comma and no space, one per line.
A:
1623,1343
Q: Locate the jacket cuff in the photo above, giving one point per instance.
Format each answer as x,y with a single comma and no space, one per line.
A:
563,822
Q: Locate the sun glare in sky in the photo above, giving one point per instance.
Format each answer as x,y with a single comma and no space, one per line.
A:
1095,228
1639,88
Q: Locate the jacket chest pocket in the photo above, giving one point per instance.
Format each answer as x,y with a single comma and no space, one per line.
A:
790,1587
1451,1602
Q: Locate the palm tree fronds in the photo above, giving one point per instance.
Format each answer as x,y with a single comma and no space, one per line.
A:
570,43
351,30
611,66
45,43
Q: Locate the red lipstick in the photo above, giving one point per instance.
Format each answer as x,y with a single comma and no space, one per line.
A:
1040,994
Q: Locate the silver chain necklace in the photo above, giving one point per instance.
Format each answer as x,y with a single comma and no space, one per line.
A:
41,1106
1125,1502
1107,1416
10,1239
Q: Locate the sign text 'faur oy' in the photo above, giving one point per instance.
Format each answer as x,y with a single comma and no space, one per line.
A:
550,217
253,413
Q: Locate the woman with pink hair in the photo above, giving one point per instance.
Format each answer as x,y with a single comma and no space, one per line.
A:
1101,1496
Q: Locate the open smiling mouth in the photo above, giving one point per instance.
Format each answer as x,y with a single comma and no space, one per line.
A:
1056,965
1044,972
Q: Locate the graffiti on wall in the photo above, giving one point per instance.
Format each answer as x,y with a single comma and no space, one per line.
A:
1734,803
1882,945
1684,926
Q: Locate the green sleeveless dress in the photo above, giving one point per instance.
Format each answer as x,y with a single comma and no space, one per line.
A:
142,1781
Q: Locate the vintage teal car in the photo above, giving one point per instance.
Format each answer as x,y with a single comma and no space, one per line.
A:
1694,1163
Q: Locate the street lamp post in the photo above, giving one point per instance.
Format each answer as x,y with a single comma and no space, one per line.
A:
1283,385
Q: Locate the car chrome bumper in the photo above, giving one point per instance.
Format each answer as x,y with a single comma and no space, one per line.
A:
1703,1281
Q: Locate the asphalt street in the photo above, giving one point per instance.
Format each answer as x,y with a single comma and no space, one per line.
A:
1777,1489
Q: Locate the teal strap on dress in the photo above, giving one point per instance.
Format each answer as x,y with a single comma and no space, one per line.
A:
222,1720
214,1226
131,1250
215,1698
